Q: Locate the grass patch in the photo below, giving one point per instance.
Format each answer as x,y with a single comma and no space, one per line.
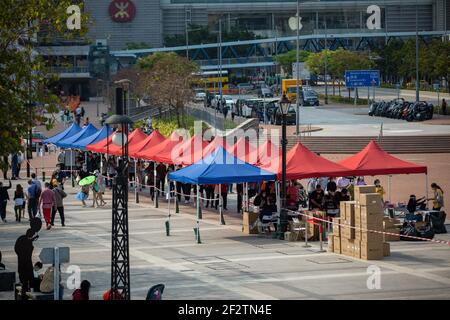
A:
167,124
345,100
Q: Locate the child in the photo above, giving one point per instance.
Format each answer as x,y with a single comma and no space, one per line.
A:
37,276
19,202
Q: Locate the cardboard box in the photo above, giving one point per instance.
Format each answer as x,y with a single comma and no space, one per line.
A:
364,189
372,251
370,199
347,247
368,217
347,209
337,244
388,237
248,223
357,249
386,249
330,243
290,236
369,237
350,211
347,231
336,227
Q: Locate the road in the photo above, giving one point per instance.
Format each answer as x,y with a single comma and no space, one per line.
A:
389,94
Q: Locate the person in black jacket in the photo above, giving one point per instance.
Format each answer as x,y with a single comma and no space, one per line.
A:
4,197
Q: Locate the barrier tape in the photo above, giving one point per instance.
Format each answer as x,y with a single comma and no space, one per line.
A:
368,230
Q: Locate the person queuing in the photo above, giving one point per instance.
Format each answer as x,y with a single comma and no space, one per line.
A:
379,188
48,202
438,198
19,203
209,190
32,196
161,172
100,183
4,197
59,197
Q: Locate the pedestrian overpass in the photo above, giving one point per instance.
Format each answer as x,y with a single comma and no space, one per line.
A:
260,53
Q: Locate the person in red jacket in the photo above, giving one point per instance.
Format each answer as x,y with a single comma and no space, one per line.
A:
83,292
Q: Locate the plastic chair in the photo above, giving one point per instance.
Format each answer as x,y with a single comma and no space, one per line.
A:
155,292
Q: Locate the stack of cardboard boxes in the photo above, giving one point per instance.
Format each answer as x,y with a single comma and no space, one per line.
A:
391,226
365,213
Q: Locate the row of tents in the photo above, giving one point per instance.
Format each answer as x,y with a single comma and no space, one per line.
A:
216,162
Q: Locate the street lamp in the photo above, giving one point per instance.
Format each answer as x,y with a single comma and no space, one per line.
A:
125,84
120,262
284,108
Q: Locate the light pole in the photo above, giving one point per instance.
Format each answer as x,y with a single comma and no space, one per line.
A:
297,122
125,84
120,261
284,108
99,81
220,61
326,61
417,56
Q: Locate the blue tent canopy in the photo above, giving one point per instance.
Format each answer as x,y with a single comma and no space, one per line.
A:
101,134
68,132
69,142
221,167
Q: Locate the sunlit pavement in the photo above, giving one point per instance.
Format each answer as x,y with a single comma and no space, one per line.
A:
228,264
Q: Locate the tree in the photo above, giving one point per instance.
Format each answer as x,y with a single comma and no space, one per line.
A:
23,79
287,59
167,79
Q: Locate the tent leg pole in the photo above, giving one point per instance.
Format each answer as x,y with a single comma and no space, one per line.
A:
136,196
390,188
222,220
197,229
71,168
168,215
426,189
199,209
155,191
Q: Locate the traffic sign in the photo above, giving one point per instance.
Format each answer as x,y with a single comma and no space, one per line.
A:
47,255
362,78
303,72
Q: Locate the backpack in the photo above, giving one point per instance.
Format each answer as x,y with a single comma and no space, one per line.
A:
47,281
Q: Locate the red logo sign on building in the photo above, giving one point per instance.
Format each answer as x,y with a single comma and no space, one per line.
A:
122,11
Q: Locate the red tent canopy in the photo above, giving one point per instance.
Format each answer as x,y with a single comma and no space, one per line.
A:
162,151
373,160
190,151
100,146
265,153
302,163
106,145
140,149
242,149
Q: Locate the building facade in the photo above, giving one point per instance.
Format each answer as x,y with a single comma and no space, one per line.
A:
148,22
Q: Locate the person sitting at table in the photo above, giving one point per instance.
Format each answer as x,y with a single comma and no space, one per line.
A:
292,196
269,209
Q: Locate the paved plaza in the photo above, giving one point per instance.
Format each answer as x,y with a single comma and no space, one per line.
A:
228,264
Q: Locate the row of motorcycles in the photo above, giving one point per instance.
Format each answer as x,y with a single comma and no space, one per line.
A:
401,109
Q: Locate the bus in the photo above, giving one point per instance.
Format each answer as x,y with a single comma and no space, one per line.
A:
210,81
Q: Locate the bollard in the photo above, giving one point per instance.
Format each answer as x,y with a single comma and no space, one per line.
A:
320,238
306,245
136,197
197,234
177,206
168,228
222,220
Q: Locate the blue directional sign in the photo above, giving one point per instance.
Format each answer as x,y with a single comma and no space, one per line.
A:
362,78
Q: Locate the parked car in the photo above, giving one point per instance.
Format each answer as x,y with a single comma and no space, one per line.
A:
200,96
310,98
245,87
265,93
291,117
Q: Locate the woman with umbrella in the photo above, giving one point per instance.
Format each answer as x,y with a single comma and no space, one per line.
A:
85,185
